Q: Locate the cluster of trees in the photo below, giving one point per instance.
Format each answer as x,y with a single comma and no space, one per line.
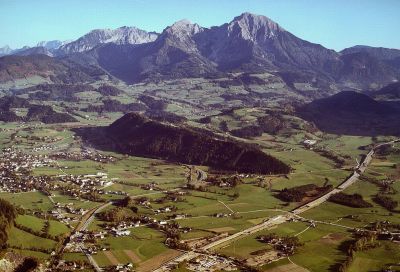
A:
56,92
223,126
164,116
9,116
385,186
66,92
33,248
117,215
42,113
92,196
110,105
365,241
354,200
127,202
205,120
153,103
43,233
386,201
109,90
298,193
29,264
136,135
286,244
244,79
271,124
176,243
170,197
173,234
47,115
7,102
384,226
232,181
339,161
7,216
247,132
386,150
268,238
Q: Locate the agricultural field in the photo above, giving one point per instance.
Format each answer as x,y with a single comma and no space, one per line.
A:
74,188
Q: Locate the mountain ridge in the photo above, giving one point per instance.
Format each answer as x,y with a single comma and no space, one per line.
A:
248,43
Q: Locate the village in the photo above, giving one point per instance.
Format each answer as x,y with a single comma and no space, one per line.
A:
110,205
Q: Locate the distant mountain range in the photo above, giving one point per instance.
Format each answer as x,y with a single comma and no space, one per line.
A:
249,43
44,47
122,35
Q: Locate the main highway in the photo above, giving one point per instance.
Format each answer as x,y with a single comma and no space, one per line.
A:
279,219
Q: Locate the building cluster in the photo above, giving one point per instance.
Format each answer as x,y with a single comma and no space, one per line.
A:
150,186
120,268
309,143
85,241
64,265
66,213
15,169
48,143
84,154
85,183
122,228
171,196
165,209
210,263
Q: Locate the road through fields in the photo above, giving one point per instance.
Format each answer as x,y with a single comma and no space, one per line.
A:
279,219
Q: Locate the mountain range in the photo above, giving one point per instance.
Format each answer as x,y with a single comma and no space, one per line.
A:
249,43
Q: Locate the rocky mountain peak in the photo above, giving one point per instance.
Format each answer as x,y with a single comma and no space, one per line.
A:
253,27
5,50
122,35
6,47
50,45
183,28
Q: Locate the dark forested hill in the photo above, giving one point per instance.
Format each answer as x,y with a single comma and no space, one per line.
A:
353,113
391,91
137,135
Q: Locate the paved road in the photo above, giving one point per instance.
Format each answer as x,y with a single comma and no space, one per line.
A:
90,219
92,261
87,219
279,219
345,184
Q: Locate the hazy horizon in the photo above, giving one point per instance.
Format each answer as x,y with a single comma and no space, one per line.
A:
335,25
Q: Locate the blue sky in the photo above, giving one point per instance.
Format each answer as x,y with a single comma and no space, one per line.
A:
335,24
